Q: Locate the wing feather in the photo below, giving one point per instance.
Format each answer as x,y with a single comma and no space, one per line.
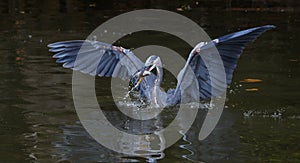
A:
96,58
229,47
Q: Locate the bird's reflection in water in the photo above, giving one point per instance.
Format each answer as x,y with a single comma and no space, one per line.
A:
77,145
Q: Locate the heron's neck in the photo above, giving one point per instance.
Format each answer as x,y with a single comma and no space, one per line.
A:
159,76
158,98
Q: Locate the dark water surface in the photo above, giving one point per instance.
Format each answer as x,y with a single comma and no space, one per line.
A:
260,122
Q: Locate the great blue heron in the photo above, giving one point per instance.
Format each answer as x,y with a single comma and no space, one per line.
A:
101,59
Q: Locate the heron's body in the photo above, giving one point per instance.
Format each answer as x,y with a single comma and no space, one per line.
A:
100,59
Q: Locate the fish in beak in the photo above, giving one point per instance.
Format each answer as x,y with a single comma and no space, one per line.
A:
147,71
139,81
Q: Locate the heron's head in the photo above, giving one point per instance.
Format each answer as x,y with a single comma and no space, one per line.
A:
151,64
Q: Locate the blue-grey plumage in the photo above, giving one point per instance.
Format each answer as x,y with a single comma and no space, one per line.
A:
101,59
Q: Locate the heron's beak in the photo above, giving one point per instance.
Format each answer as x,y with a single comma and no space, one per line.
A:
151,68
146,73
148,70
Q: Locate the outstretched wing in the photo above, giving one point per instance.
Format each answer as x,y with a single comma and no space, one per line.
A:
230,48
96,58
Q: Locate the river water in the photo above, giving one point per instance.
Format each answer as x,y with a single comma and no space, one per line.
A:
260,122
